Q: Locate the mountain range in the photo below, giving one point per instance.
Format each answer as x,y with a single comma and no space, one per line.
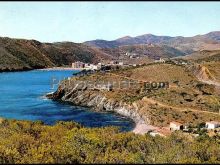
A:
187,45
22,54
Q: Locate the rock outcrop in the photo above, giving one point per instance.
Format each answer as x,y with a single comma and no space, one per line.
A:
78,95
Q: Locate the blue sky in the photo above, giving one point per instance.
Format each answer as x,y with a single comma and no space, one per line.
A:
82,21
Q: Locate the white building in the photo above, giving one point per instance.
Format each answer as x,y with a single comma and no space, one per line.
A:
212,124
160,61
92,67
131,55
175,126
78,64
100,64
120,63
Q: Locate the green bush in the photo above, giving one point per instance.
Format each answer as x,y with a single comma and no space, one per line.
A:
69,142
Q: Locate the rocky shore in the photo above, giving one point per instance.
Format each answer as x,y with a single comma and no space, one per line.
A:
82,96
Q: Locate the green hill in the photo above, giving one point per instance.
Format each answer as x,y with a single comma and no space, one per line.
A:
21,54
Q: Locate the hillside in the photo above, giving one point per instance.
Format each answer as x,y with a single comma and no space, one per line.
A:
208,59
209,41
186,99
102,43
127,40
152,51
203,56
21,54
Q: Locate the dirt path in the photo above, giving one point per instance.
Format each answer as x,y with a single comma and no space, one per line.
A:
142,128
141,81
151,101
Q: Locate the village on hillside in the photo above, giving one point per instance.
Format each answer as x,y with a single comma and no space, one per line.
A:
78,65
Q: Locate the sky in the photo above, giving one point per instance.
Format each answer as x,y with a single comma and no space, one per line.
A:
83,21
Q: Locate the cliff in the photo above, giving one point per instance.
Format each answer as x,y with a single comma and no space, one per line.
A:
78,95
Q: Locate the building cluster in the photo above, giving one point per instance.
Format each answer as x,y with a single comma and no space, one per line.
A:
115,63
208,125
212,125
87,66
177,126
166,131
78,64
172,61
179,62
132,55
160,61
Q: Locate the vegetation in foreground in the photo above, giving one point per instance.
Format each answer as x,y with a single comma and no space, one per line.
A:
68,142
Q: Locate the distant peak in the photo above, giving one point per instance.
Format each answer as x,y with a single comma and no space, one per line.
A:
148,34
124,38
214,33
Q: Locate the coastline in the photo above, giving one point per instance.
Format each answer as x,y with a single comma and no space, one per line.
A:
43,69
140,127
60,68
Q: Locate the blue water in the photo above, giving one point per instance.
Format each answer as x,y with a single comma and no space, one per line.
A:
22,97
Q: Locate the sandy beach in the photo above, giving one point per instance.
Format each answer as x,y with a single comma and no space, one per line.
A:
142,129
61,68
